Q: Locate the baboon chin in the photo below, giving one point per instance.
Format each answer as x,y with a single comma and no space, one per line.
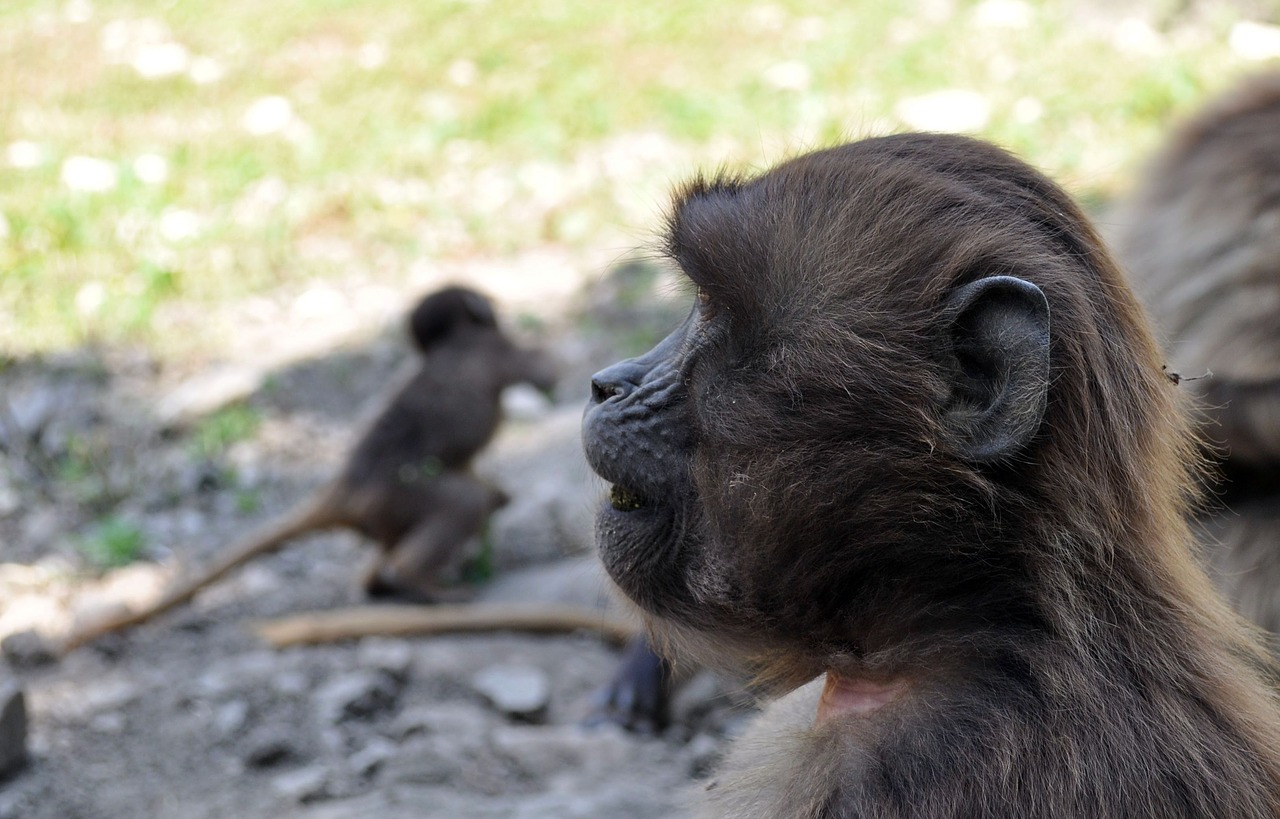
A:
913,447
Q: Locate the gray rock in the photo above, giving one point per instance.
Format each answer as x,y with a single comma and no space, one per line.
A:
357,695
393,656
424,763
13,726
571,581
369,758
291,683
108,722
519,691
303,785
453,719
543,750
269,746
27,649
230,717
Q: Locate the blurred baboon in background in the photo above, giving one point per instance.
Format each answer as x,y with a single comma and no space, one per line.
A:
1201,237
407,483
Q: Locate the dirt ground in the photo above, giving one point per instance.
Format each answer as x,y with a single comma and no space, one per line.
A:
192,716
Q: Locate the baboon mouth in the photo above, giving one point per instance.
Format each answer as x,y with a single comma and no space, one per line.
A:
625,500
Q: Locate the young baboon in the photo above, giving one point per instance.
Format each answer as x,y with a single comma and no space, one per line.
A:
407,483
1201,236
912,456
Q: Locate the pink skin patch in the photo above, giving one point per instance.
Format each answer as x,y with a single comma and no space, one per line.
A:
854,695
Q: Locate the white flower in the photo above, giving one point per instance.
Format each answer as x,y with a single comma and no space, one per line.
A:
1255,41
371,56
1002,14
89,174
157,60
950,110
788,76
268,115
206,70
79,11
152,169
462,72
178,225
90,298
1027,110
25,154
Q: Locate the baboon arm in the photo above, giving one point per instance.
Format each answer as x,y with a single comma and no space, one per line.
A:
310,515
403,621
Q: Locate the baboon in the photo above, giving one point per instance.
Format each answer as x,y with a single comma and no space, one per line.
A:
912,458
1201,237
407,483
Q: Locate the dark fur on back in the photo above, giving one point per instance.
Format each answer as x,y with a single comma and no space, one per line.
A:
1065,654
1201,236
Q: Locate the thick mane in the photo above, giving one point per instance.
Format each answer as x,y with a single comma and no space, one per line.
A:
1081,539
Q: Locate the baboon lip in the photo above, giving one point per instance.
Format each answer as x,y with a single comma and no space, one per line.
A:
626,500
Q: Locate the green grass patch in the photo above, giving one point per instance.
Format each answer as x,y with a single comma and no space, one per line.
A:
397,131
113,541
215,434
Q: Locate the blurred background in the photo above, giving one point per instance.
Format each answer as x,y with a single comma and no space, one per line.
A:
212,217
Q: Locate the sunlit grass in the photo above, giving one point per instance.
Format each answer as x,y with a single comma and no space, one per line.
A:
244,145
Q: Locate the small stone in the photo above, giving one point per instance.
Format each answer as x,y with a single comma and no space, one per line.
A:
454,719
395,657
369,758
544,750
291,683
520,692
231,717
110,722
27,649
13,727
358,695
423,763
303,785
269,747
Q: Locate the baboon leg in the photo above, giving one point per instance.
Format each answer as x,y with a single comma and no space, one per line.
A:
638,694
454,512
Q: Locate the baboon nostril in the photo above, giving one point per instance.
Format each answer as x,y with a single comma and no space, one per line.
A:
601,391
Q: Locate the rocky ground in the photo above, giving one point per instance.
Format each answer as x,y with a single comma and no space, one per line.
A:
192,716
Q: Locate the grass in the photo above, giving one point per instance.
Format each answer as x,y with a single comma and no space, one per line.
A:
446,130
216,433
113,541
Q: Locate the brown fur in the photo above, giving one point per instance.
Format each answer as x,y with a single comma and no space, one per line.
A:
407,483
1201,236
802,495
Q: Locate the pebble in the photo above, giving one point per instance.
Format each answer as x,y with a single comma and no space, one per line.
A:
231,717
423,763
27,649
454,719
356,695
544,750
302,785
369,758
395,657
269,746
521,692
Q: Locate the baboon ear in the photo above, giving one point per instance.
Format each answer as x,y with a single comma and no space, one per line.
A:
999,330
